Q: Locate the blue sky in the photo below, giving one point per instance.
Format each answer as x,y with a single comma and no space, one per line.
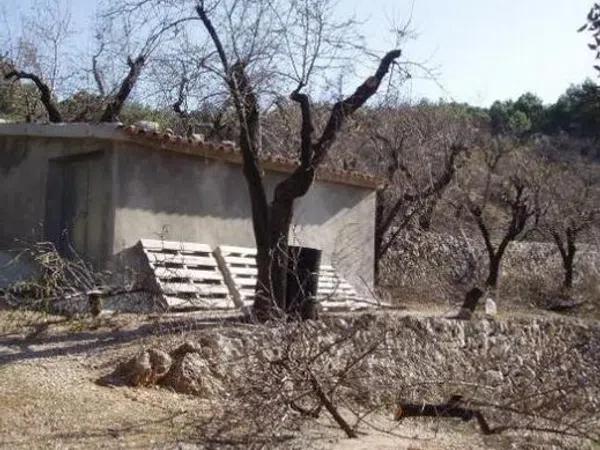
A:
483,50
491,49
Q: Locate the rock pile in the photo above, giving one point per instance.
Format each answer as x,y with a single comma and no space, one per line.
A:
188,369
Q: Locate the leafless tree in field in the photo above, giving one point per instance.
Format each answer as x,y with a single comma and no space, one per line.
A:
254,53
46,55
417,150
501,193
305,31
573,209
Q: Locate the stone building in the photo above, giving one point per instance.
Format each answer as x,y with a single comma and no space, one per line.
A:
101,188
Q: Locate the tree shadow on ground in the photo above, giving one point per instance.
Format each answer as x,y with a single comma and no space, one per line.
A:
69,343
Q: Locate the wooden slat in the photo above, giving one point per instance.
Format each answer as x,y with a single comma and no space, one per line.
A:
204,274
213,303
189,261
174,288
193,247
188,288
243,271
231,249
157,257
185,247
166,273
241,260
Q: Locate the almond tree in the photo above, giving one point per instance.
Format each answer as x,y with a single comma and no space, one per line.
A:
501,193
272,219
417,150
573,209
45,54
253,53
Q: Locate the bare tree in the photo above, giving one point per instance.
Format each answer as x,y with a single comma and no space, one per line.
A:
272,220
416,148
46,95
501,193
572,198
45,55
39,53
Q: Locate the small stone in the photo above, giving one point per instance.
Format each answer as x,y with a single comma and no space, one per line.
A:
144,369
491,309
160,361
147,126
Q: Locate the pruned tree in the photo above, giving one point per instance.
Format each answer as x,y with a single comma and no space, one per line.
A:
45,55
416,150
501,194
37,55
46,96
304,24
573,209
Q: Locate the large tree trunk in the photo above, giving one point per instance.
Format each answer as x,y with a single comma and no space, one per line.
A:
379,210
567,251
272,222
493,271
569,271
491,283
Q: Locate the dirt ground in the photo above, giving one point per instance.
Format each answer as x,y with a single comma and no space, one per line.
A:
49,397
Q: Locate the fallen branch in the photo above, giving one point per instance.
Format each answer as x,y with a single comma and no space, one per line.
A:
451,409
330,407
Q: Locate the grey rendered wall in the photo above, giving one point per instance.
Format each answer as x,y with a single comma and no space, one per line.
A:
24,171
177,197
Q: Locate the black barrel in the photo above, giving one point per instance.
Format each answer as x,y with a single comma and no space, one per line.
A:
303,282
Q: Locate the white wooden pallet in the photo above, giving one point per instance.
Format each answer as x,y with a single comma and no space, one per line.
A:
238,265
187,275
335,292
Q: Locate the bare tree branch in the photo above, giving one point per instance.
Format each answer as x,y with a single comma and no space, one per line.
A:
114,106
46,98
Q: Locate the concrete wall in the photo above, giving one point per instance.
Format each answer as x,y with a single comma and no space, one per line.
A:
189,198
28,188
135,191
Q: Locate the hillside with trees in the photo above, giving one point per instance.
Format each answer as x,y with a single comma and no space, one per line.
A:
485,229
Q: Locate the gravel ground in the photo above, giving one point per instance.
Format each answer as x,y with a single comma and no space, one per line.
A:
49,397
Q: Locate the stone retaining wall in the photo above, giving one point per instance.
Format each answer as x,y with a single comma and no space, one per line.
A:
443,266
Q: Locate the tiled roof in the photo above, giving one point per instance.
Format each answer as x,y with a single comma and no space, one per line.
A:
228,151
224,151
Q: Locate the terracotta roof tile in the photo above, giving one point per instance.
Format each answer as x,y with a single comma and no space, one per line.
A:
229,152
